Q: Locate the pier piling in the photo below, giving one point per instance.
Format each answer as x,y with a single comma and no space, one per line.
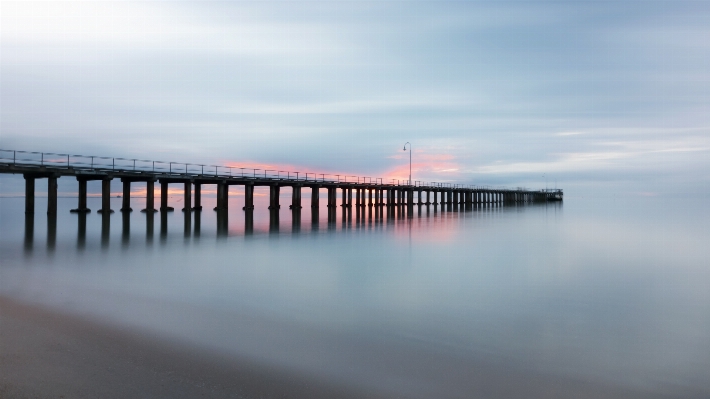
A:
198,198
126,196
29,194
187,195
106,196
52,196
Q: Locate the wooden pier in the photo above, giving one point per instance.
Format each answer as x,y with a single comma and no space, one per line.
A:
370,192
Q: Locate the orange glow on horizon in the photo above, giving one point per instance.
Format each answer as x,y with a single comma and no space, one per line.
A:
442,165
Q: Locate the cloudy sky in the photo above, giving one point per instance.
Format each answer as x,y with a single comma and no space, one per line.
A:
597,96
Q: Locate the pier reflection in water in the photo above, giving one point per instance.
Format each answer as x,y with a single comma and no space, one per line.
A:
225,223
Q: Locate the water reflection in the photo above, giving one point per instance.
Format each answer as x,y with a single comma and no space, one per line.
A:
187,222
248,221
296,220
149,226
105,229
273,221
198,221
126,228
29,232
315,218
51,231
338,219
223,222
163,226
81,231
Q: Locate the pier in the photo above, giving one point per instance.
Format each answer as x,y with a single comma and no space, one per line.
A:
367,191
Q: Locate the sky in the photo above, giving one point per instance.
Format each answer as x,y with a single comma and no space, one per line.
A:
594,97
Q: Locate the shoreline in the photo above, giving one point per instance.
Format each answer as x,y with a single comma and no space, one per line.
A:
48,354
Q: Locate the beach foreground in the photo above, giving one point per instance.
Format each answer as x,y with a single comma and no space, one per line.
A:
48,354
45,354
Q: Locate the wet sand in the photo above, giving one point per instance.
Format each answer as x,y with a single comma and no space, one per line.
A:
49,355
45,354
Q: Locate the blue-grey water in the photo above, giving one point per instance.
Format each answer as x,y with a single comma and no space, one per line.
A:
603,291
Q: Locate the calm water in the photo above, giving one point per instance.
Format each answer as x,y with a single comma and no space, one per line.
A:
605,291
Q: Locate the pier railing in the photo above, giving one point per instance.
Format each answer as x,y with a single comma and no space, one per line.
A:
106,164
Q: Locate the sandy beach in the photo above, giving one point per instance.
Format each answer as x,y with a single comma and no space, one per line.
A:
45,354
50,355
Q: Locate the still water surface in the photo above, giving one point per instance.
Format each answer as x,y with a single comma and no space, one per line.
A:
612,292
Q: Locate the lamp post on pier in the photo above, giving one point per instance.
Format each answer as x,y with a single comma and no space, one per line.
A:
410,160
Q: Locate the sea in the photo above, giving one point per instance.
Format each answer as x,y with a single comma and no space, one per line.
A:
428,301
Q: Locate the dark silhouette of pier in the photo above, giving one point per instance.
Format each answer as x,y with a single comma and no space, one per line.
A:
370,192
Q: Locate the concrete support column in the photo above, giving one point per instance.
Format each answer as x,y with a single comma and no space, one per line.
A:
274,192
164,196
410,197
52,196
126,206
427,197
296,198
436,194
29,194
198,197
225,196
314,197
332,197
82,198
248,197
106,196
344,197
222,197
187,197
149,196
369,197
350,197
